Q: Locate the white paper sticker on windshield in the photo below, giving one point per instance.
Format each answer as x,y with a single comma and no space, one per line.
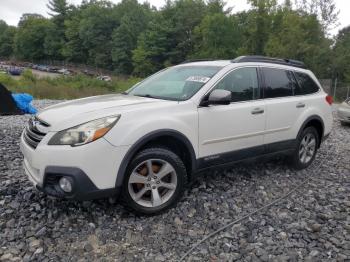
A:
201,79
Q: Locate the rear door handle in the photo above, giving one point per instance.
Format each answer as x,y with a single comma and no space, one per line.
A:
257,111
300,105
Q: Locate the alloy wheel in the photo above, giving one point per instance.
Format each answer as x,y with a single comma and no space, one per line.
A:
152,183
307,148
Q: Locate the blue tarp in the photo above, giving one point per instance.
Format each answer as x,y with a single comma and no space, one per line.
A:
23,102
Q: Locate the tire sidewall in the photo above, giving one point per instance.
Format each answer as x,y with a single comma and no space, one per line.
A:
297,163
162,154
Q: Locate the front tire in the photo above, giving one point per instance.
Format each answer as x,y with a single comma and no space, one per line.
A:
306,149
154,182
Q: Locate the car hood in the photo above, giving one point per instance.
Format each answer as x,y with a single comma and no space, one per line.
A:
71,113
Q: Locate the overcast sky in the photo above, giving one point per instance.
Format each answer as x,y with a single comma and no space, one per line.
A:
12,10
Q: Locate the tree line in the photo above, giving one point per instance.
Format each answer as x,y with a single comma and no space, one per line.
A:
133,38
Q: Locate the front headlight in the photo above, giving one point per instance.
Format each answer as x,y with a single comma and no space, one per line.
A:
84,133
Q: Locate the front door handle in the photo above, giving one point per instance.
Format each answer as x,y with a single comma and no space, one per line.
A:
300,105
257,111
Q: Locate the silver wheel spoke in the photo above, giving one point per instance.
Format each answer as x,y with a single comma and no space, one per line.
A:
168,185
303,142
156,199
137,178
303,158
149,167
312,143
140,194
165,170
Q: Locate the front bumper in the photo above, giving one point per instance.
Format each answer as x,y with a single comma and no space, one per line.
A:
83,188
92,167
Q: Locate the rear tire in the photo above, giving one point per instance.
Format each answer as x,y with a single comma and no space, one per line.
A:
154,182
306,149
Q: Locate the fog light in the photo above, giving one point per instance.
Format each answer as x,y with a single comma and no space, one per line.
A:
65,184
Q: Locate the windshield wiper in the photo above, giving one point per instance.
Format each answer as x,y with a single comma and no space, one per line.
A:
148,95
155,97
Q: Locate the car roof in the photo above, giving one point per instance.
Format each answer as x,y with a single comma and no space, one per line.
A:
228,63
252,60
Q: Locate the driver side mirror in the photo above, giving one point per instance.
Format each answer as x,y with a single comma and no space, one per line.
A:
218,97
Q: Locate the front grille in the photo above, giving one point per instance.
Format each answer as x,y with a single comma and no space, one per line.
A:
33,132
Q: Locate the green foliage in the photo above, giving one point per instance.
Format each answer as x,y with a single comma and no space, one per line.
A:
154,47
95,31
7,80
342,55
259,22
65,87
28,76
58,7
217,7
182,16
132,38
299,36
30,37
55,33
73,50
325,10
53,42
218,36
7,35
124,38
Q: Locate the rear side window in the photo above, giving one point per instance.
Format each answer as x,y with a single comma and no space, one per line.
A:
306,84
278,83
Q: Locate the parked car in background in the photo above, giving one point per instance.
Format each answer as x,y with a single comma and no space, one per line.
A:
27,65
104,78
64,71
344,112
148,142
53,69
42,68
15,71
88,72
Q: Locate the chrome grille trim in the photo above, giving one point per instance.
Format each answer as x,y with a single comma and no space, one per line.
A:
31,134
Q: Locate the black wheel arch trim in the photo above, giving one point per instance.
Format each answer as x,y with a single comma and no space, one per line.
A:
147,138
307,121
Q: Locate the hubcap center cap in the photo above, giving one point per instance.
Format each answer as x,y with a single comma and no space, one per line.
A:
154,182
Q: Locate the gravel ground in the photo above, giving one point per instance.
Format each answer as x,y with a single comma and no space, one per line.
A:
313,224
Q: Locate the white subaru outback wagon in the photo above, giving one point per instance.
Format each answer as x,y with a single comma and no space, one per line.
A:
146,143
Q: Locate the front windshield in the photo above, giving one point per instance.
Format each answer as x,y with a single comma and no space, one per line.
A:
176,83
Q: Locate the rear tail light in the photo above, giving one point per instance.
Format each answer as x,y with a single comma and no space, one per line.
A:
329,99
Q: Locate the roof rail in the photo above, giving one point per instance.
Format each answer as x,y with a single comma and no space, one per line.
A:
272,60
